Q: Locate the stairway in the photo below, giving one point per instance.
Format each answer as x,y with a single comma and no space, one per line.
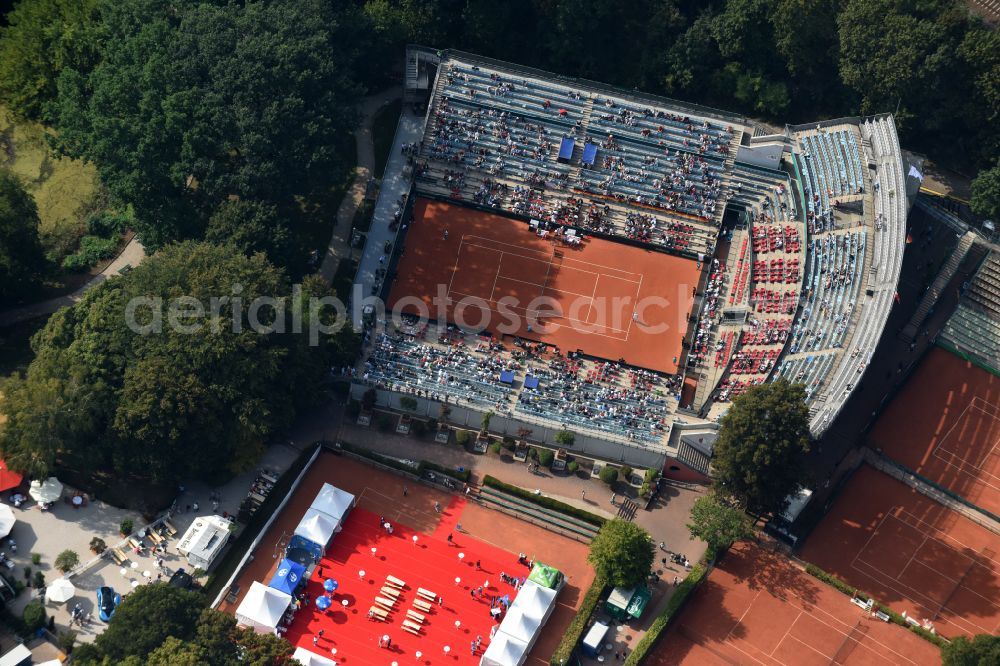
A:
934,293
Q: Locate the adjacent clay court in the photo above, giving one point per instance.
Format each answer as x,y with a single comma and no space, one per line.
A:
758,608
493,273
432,563
911,553
945,425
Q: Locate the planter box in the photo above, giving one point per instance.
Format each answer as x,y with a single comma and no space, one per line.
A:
595,471
443,435
403,427
365,419
481,444
521,451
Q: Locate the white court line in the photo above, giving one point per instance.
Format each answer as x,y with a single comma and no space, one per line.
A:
638,290
458,258
578,261
495,278
590,308
965,461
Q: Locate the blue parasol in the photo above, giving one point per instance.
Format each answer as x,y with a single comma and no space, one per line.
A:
330,585
323,602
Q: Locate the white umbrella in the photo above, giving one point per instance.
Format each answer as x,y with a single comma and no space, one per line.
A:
7,520
60,590
46,492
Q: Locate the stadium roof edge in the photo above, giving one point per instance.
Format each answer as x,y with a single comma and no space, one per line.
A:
595,86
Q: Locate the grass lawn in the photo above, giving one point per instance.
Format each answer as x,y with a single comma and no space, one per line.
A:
383,131
64,190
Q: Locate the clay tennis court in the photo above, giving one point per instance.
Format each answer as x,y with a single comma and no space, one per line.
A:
945,425
911,553
758,608
494,273
433,564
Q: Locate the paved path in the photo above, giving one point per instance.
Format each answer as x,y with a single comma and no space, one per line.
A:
340,241
131,255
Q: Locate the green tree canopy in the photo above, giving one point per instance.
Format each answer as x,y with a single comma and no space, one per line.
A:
982,650
717,523
986,193
622,553
194,103
42,38
21,258
757,460
199,398
252,226
146,617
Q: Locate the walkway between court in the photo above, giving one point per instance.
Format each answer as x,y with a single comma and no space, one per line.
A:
340,241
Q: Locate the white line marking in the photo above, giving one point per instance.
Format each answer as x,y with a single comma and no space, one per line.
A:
571,259
458,258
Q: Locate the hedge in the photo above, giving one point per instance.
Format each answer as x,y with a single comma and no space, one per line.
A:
895,617
656,629
422,466
462,476
547,502
574,632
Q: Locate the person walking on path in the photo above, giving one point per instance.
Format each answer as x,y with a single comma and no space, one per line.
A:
437,507
405,490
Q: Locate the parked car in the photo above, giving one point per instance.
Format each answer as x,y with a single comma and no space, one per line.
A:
107,602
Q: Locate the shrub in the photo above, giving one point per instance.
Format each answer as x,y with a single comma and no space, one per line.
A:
92,250
27,575
543,501
462,476
651,475
680,595
353,408
565,438
125,527
572,467
66,560
97,545
66,640
485,423
574,632
495,447
107,224
627,473
408,403
34,616
419,428
609,474
36,558
545,457
369,399
39,580
509,443
384,423
462,437
644,491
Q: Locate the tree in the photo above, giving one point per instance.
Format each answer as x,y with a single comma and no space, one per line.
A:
609,474
565,438
718,524
622,553
252,226
986,193
983,649
66,560
111,389
34,616
197,103
43,38
147,617
757,459
21,258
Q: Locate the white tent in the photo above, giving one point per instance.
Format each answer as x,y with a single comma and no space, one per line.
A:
504,650
262,608
7,520
318,527
60,590
518,625
535,601
333,501
307,658
46,492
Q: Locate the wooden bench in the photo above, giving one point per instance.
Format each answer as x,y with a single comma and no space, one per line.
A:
118,556
379,614
422,605
388,604
133,543
411,630
390,592
415,616
411,625
170,528
392,580
427,594
155,538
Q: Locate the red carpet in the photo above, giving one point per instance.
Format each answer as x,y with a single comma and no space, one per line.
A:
432,564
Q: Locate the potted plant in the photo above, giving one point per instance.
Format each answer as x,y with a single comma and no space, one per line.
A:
125,527
97,545
66,560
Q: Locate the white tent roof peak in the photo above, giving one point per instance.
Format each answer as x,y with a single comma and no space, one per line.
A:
317,526
333,501
262,607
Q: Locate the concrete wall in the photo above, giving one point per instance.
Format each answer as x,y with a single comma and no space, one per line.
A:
586,445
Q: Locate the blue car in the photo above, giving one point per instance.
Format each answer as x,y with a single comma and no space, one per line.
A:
107,601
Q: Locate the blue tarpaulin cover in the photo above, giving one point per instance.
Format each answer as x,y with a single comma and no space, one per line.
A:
589,153
287,578
506,377
566,149
531,382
